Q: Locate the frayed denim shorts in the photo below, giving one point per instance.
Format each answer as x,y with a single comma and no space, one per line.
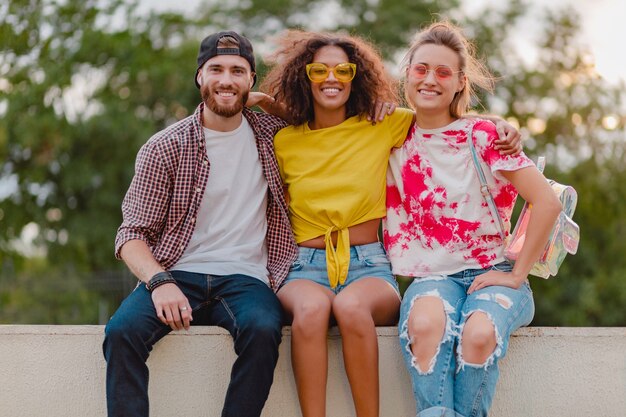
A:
366,261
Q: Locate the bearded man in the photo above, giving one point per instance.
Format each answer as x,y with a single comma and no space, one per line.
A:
205,230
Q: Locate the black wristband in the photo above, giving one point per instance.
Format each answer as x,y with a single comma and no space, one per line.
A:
158,279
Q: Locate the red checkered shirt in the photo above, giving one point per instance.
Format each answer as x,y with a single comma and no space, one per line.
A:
171,173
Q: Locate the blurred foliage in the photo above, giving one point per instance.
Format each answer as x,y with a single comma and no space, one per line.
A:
47,295
83,84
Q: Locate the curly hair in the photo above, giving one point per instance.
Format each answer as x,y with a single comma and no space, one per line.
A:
447,34
287,81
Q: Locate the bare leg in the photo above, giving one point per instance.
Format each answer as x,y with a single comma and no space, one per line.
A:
478,339
358,309
427,323
309,304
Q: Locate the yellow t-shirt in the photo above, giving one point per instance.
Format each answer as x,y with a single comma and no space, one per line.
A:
336,179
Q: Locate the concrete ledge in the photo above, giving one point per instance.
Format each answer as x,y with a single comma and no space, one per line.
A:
59,371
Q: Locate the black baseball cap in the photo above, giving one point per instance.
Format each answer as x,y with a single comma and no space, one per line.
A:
209,49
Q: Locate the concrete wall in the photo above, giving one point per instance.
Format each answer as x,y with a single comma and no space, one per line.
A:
58,371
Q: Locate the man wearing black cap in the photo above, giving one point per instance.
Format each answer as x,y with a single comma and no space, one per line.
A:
205,229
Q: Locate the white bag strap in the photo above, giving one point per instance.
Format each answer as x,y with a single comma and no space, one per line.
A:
484,188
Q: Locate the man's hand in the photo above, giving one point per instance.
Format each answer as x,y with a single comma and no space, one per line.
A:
510,139
172,307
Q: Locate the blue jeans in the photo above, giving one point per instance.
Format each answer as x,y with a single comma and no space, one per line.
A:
243,305
366,261
452,387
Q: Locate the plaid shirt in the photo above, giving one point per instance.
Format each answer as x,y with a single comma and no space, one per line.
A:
171,174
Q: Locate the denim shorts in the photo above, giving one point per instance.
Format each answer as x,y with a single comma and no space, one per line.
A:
366,261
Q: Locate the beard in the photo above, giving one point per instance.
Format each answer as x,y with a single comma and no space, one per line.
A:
208,96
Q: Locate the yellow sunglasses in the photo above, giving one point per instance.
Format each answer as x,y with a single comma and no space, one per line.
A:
318,72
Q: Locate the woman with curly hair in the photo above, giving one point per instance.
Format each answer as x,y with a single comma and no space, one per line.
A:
333,162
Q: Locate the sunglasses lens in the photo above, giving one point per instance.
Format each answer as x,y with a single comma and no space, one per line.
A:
344,72
317,72
420,71
443,73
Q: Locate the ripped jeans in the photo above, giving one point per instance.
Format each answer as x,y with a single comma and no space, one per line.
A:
452,387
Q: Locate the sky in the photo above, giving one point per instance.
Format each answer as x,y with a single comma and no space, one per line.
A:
603,21
604,30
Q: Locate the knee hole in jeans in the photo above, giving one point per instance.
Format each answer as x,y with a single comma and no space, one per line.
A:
478,338
427,327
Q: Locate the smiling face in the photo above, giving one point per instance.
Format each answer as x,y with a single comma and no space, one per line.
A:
431,96
330,94
225,81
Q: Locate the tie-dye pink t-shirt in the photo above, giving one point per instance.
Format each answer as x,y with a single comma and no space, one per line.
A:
438,222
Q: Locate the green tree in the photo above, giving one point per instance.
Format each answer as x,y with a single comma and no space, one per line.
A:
83,86
80,98
566,109
389,23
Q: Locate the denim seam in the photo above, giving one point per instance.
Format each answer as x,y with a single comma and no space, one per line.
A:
201,306
448,362
479,395
310,255
360,256
230,313
160,332
208,287
363,253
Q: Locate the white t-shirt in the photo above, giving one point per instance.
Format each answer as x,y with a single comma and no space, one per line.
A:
438,222
229,237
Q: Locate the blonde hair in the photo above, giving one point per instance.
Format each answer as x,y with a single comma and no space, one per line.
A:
477,75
